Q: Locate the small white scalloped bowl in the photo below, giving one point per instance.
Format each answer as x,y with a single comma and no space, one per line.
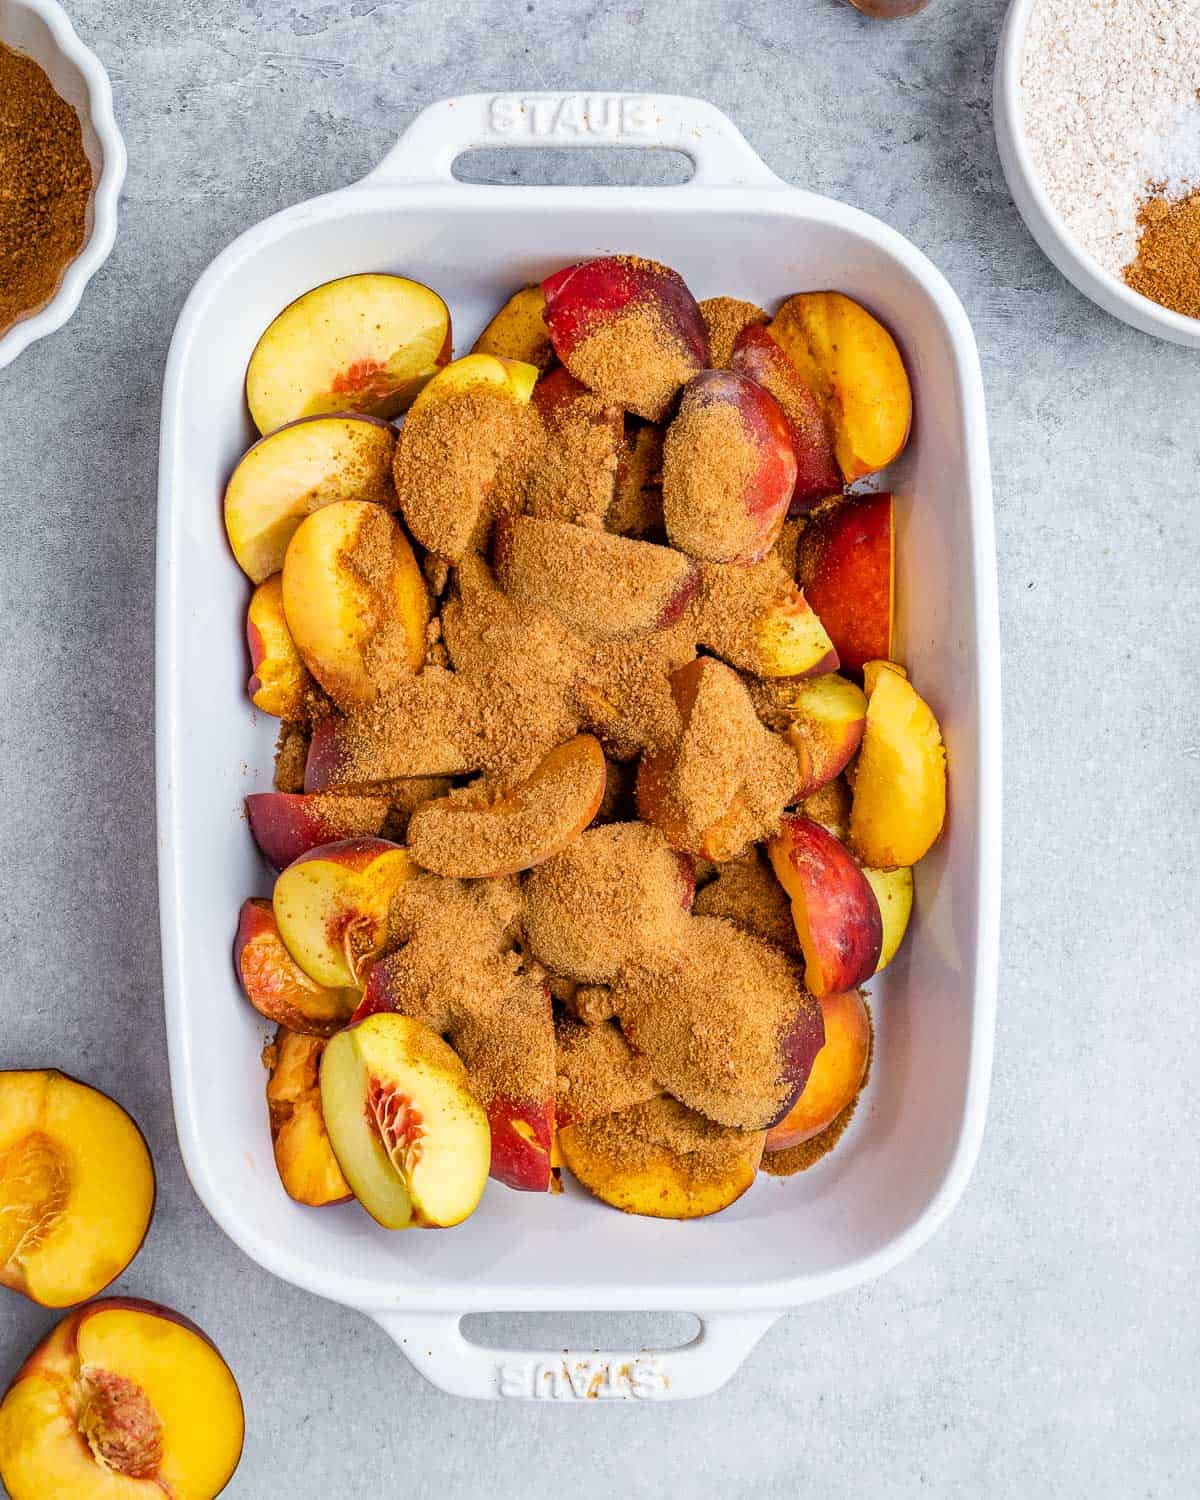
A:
41,30
1043,220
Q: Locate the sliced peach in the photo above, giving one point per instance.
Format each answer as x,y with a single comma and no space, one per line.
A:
478,832
729,469
279,680
276,985
572,474
757,355
726,1026
618,894
332,907
845,562
361,343
628,328
822,719
598,1072
727,779
662,1159
872,669
836,914
756,619
405,1127
123,1400
852,363
894,892
836,1075
355,601
602,586
830,806
637,507
725,317
746,893
900,778
462,427
518,331
304,1158
76,1188
297,470
286,825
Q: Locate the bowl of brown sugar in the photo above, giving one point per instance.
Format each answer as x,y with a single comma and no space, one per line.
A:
1097,114
62,163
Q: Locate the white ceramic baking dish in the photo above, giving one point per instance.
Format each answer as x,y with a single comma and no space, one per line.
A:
734,228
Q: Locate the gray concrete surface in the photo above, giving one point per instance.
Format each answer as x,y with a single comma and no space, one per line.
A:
1046,1343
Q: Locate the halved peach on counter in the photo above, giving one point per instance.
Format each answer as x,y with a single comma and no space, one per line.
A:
757,355
836,914
332,904
518,331
822,718
76,1187
122,1400
729,469
894,892
408,1133
845,562
662,1160
837,1073
481,831
276,985
355,600
279,679
297,470
726,1026
286,825
756,619
628,328
602,586
461,428
304,1158
358,344
851,362
900,777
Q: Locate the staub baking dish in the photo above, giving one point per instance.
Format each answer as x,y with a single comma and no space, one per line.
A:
734,228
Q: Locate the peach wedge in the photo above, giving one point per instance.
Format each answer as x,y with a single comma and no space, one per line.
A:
852,364
358,344
123,1400
275,984
279,680
355,601
297,470
407,1131
76,1188
822,718
286,825
477,832
894,892
756,619
518,331
332,907
836,1075
900,779
845,562
304,1158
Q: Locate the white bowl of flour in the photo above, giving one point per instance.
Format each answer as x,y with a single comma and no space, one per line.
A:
1095,100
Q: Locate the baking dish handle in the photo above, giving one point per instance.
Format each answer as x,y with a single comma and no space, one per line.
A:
719,152
435,1344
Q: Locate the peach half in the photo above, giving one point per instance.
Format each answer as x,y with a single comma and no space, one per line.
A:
836,914
275,984
899,801
518,331
478,832
361,343
332,905
124,1400
729,469
600,585
408,1133
845,562
853,366
662,1160
821,718
279,679
297,470
286,825
304,1158
76,1188
837,1073
355,600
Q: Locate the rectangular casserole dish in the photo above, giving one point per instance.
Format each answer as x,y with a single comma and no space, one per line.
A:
737,229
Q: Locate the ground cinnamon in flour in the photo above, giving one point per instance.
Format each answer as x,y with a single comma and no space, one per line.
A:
45,183
1167,266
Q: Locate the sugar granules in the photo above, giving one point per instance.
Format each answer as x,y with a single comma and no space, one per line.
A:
1111,112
